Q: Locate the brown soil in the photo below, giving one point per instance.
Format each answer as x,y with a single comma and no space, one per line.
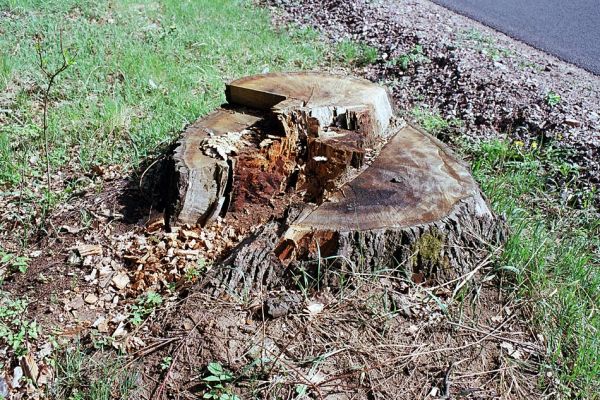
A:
376,339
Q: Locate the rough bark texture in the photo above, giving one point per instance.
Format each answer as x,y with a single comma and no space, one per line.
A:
317,175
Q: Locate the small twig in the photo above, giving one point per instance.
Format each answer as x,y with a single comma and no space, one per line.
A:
418,354
148,169
50,76
498,337
150,349
446,383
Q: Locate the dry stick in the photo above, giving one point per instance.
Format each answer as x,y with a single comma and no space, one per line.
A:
51,76
446,383
517,342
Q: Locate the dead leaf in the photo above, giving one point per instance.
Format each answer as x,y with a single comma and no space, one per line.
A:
315,308
69,229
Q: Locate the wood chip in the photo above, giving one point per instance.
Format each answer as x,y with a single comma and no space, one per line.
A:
85,250
29,367
91,298
572,122
120,281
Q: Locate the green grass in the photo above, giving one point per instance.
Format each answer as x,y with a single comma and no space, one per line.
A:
432,122
553,255
84,375
356,54
143,70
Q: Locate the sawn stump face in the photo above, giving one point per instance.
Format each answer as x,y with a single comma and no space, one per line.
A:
309,165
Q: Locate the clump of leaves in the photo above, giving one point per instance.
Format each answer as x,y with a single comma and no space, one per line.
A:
193,273
414,56
15,329
359,54
144,306
218,382
12,263
552,98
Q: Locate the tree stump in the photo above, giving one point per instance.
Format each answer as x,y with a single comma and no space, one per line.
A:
310,167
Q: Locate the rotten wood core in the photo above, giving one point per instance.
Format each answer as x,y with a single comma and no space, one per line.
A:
311,167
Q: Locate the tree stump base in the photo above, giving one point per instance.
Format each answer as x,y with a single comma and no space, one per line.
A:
311,167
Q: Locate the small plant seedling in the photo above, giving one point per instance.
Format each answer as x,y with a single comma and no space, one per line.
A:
12,262
166,363
217,382
15,330
50,76
552,98
193,273
144,306
414,56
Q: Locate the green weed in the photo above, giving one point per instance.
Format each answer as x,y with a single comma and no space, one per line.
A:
552,99
12,263
144,306
217,383
414,56
165,363
15,329
194,272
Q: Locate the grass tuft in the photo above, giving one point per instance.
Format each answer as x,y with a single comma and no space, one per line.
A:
84,375
553,253
432,122
357,54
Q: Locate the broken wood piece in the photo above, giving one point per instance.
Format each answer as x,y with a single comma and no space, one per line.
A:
85,250
198,181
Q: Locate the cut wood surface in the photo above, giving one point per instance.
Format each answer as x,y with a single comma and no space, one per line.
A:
310,166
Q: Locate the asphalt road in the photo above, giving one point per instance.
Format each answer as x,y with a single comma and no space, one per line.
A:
568,29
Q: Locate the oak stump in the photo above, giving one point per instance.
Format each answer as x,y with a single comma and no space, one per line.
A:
315,170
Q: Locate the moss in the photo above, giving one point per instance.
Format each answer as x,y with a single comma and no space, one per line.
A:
427,250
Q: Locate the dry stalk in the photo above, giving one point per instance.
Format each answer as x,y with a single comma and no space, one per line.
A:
51,76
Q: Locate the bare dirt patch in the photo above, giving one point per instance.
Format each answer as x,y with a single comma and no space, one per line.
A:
378,338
